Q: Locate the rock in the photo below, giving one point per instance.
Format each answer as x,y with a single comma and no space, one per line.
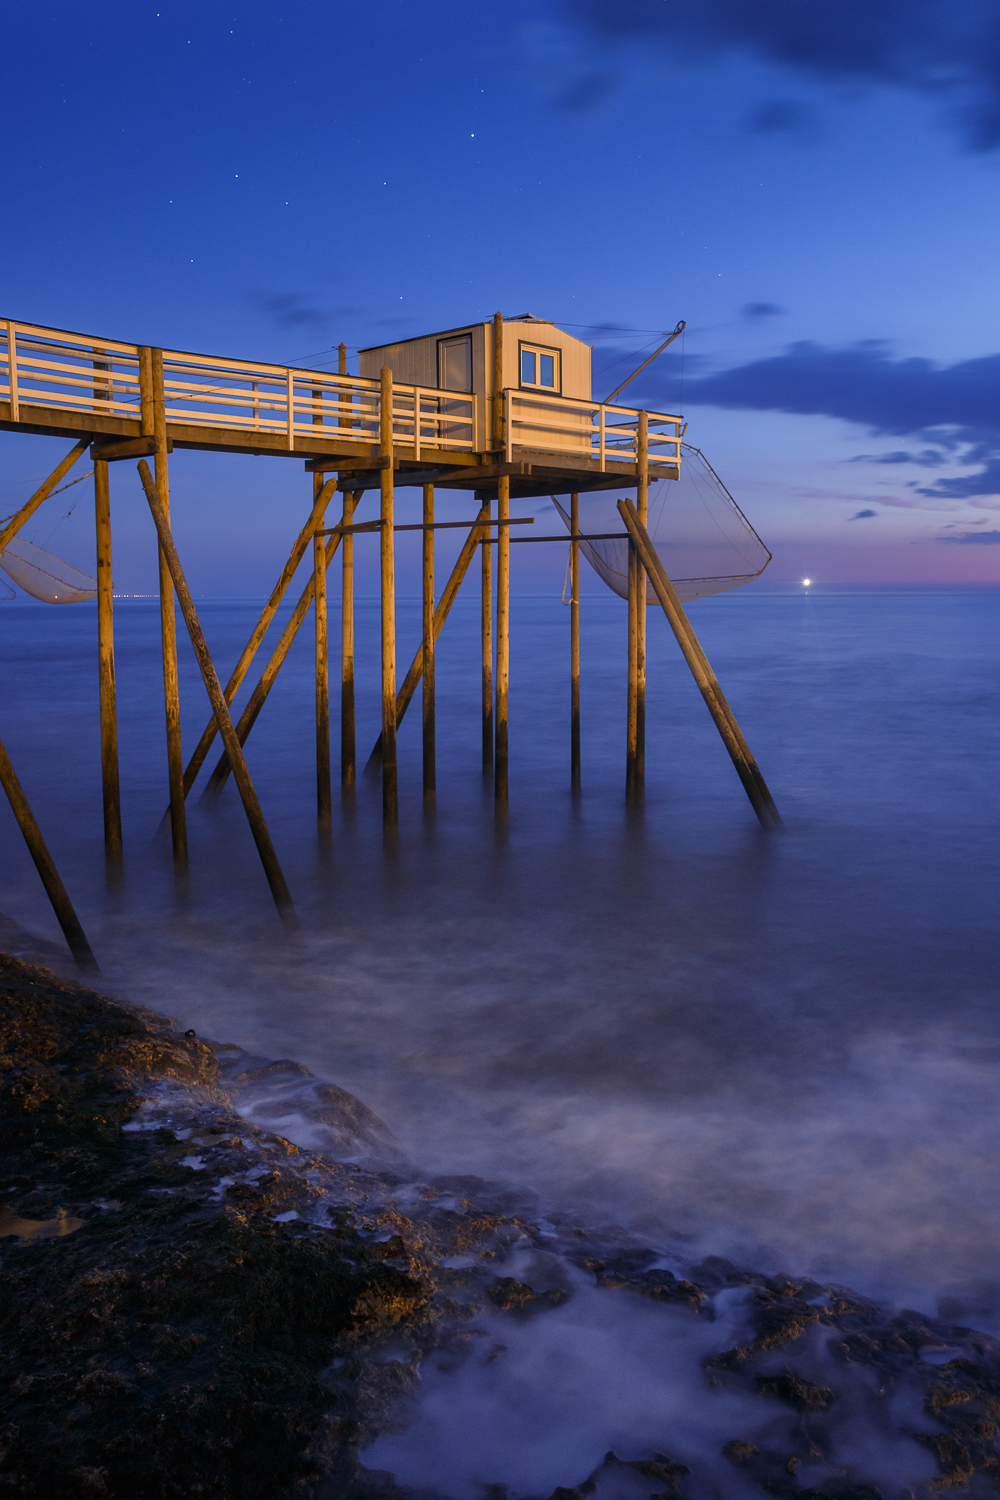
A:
510,1295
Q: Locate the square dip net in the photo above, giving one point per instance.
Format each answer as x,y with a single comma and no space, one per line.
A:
704,540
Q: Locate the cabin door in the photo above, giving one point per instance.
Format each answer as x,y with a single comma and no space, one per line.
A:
455,374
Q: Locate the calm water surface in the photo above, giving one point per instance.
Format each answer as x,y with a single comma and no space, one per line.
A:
783,1048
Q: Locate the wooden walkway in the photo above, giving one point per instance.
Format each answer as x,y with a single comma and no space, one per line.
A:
67,384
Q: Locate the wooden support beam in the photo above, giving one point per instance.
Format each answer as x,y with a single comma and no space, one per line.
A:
259,631
27,510
45,865
106,677
632,690
140,447
429,746
725,720
574,645
503,652
458,572
152,396
348,745
251,806
390,787
486,632
324,810
258,697
642,507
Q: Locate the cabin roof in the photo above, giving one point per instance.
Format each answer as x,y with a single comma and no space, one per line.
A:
442,333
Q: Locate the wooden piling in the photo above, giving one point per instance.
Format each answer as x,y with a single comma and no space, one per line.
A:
485,548
503,649
448,596
152,391
324,811
574,645
642,506
45,865
725,720
429,727
348,747
27,510
390,789
255,817
106,676
632,699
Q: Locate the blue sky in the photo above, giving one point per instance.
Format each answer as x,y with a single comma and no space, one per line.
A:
814,189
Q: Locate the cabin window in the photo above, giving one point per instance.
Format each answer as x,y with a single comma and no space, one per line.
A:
540,367
455,363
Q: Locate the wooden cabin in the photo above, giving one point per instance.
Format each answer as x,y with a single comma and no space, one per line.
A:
535,358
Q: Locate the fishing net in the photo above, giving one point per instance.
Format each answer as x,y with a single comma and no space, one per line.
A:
45,576
704,540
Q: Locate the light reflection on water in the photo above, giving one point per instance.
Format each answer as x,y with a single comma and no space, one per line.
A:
779,1047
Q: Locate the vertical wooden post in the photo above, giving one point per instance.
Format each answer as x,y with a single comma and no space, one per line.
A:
430,767
503,647
106,675
154,417
485,548
633,684
348,753
574,645
498,409
642,588
323,809
390,789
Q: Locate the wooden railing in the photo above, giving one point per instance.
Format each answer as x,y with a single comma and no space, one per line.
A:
44,367
56,371
561,424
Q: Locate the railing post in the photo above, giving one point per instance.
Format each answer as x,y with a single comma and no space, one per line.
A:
290,409
15,407
390,790
498,412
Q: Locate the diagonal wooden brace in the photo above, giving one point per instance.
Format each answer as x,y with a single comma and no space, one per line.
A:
255,817
725,720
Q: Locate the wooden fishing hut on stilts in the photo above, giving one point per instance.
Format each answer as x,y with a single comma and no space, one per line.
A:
502,408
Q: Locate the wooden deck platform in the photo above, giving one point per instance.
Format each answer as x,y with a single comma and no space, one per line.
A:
62,384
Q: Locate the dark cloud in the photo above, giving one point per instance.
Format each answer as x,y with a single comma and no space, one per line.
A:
782,117
863,515
954,408
991,538
762,310
292,310
947,51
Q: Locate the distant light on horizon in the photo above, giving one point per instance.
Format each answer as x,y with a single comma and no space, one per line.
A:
807,582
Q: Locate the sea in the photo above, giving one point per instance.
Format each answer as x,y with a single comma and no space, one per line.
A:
779,1046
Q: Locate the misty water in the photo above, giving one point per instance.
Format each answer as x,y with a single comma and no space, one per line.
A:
778,1047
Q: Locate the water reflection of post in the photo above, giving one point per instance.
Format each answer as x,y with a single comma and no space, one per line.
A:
323,793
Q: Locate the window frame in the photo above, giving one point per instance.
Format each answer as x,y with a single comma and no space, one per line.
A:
536,349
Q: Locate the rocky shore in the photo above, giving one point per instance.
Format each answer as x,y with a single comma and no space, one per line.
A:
194,1306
